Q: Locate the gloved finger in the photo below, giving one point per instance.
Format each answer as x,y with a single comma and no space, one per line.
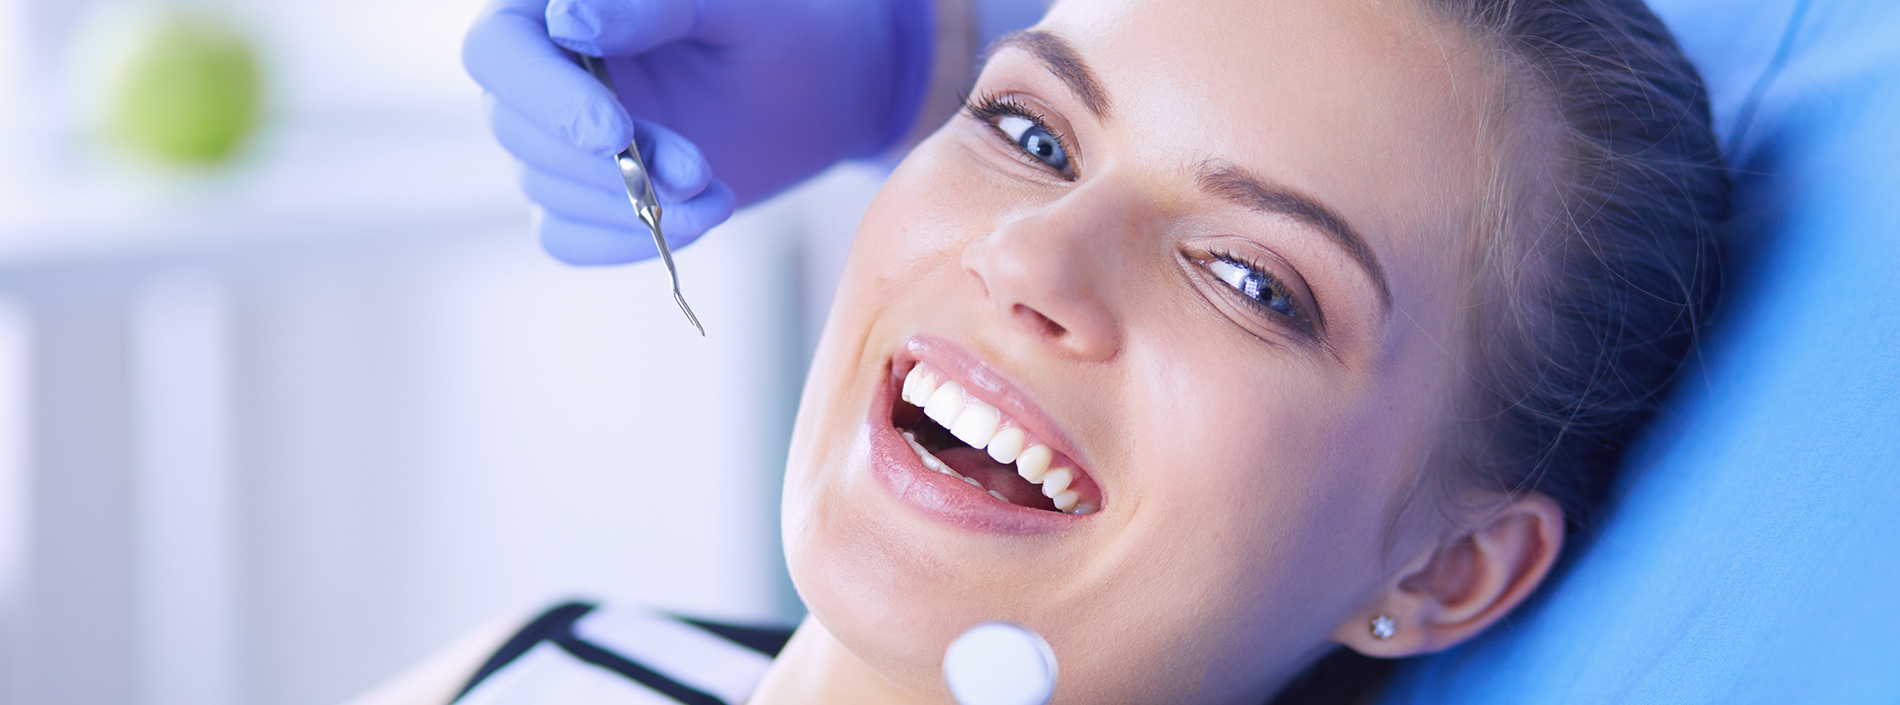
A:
609,206
678,169
583,243
685,221
592,201
536,148
507,51
631,27
690,219
582,224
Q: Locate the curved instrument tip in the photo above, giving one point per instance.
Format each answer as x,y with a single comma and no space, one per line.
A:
688,310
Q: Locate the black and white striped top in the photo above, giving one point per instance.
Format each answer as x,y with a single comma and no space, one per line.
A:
617,655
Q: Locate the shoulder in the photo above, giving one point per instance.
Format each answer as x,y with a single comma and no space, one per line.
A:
582,652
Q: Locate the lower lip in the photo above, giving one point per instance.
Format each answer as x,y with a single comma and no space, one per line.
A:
945,498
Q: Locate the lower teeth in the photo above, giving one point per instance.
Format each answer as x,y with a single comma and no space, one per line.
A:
932,462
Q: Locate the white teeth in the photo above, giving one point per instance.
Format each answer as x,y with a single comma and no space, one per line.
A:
945,404
981,425
977,424
1066,501
1033,465
1034,462
919,385
930,461
1006,445
1057,481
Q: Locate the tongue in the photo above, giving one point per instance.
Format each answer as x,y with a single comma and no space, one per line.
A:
971,462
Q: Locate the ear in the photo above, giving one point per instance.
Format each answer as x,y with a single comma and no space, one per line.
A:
1470,579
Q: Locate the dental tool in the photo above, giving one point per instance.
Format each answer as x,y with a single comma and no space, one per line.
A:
998,663
646,204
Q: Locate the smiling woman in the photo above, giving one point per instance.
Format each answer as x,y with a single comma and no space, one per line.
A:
1212,338
1232,284
1271,304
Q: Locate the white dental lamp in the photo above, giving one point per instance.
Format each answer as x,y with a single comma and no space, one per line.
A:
998,663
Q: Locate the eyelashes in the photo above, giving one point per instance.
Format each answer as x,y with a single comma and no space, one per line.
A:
1026,129
1265,292
1273,299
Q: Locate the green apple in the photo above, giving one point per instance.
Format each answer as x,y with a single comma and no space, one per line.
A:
186,91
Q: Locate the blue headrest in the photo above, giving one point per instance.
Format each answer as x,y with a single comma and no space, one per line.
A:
1752,554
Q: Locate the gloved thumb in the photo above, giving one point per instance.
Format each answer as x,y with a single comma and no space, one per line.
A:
628,27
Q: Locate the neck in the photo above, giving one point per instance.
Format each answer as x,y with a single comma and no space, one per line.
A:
814,668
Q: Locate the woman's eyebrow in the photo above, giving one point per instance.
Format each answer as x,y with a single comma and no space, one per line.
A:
1062,60
1234,184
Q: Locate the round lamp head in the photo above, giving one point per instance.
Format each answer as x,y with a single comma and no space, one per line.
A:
997,663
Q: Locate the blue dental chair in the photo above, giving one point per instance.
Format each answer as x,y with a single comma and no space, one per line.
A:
1752,553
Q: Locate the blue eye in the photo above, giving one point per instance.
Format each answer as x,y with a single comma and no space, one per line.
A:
1035,141
1018,123
1259,286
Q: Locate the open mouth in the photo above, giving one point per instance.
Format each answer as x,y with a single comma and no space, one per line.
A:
957,434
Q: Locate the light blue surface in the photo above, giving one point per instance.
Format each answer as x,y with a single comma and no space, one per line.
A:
1754,553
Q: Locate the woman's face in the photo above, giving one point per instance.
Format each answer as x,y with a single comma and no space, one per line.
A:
1208,255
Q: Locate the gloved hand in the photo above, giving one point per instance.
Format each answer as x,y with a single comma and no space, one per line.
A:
759,94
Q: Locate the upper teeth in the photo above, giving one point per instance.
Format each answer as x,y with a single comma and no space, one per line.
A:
981,425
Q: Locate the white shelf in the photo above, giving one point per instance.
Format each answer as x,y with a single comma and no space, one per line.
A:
314,177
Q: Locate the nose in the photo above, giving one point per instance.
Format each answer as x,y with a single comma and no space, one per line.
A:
1050,276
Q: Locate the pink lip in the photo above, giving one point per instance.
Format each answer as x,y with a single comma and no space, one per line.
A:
941,497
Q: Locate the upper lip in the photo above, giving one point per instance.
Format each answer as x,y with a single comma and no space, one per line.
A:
990,385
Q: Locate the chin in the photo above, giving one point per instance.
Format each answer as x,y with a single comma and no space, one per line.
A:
900,534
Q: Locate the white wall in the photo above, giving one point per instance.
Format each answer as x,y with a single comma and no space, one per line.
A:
268,436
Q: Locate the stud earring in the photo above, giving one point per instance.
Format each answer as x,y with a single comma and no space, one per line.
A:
1383,627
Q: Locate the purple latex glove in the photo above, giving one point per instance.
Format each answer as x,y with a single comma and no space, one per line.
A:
759,95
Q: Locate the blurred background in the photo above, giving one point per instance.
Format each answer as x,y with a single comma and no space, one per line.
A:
289,404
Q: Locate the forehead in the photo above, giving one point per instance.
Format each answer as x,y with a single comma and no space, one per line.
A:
1366,104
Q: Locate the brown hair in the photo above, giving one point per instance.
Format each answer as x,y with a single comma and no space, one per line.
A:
1601,265
1594,267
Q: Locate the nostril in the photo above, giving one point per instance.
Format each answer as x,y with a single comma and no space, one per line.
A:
1054,329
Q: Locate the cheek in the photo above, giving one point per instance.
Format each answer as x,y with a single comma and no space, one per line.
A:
925,212
905,238
1260,510
1270,455
902,273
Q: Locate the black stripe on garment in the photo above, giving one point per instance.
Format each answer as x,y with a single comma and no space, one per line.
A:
552,624
764,640
635,672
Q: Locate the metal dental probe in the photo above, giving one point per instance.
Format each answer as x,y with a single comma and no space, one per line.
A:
633,171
